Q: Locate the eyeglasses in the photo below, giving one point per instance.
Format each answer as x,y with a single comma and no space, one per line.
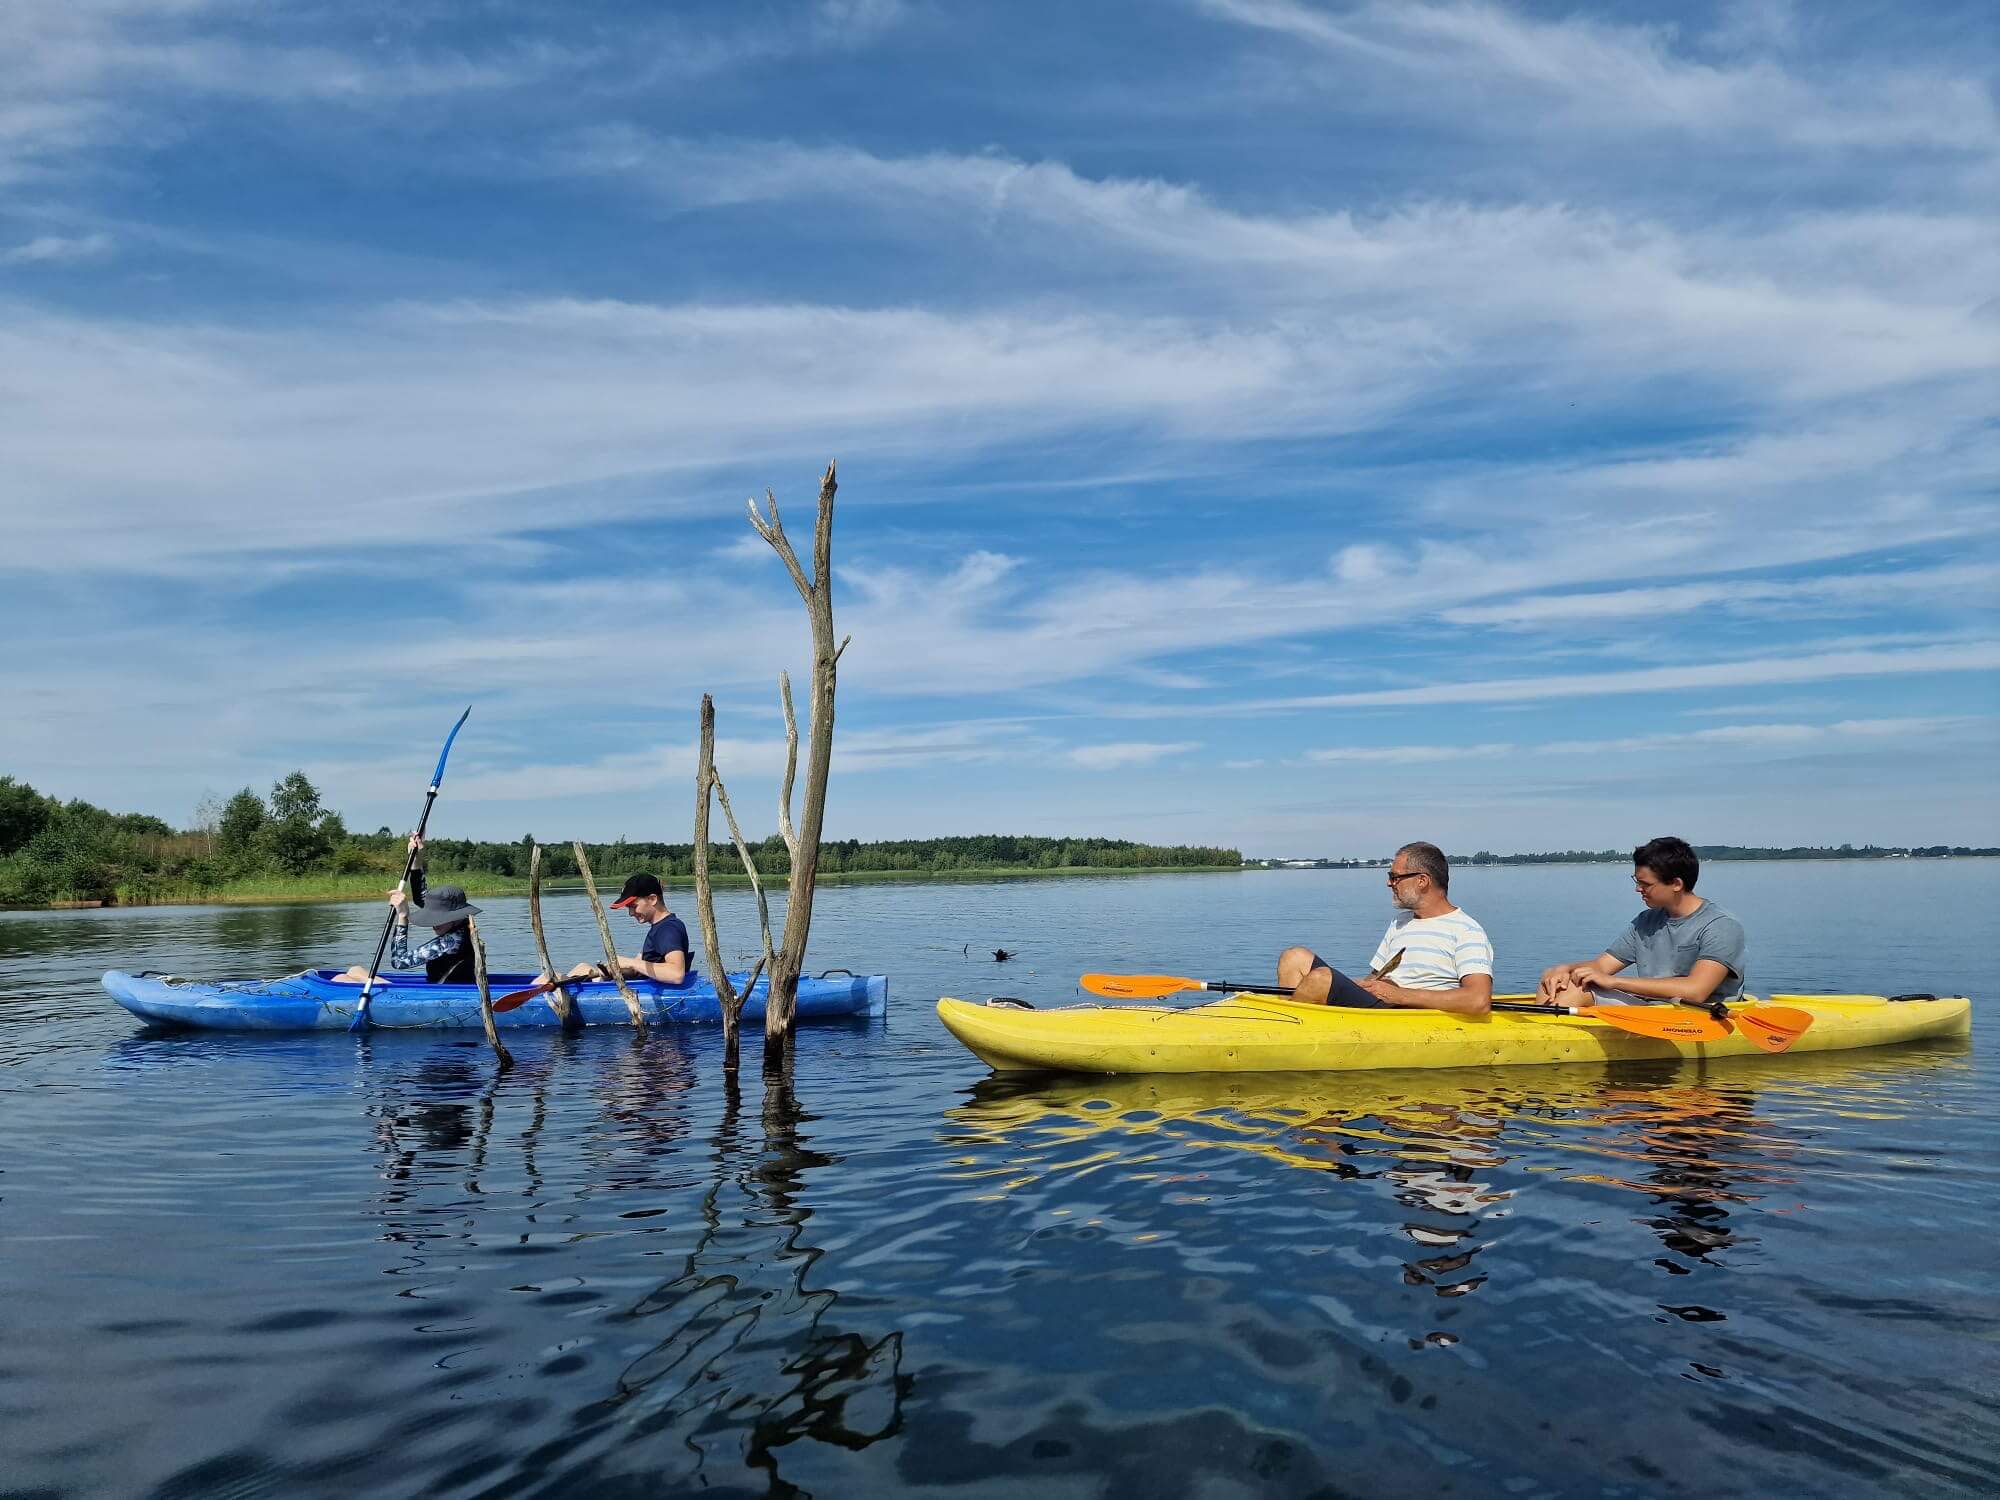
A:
1648,885
1406,875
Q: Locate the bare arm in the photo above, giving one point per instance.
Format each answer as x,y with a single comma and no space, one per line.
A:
1565,984
669,970
1695,986
1472,997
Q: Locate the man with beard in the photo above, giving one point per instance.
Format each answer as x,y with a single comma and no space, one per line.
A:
1447,962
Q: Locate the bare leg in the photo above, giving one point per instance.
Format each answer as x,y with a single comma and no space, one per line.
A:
1307,984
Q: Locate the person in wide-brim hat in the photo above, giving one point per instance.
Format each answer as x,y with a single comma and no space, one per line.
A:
443,906
446,958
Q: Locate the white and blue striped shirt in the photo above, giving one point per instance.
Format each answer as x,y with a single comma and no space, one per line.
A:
1438,952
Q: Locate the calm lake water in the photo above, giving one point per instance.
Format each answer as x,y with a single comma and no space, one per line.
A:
317,1266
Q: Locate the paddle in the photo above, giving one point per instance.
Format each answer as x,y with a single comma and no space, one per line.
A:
1153,986
1640,1020
360,1021
519,998
1771,1027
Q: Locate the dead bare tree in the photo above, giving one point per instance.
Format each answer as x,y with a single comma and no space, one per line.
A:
787,958
780,1009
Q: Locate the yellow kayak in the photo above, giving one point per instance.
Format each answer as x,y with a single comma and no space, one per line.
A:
1262,1034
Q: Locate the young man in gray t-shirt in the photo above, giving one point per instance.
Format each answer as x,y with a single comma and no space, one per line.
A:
1680,947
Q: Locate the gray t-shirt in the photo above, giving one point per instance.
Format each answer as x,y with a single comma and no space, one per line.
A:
1657,946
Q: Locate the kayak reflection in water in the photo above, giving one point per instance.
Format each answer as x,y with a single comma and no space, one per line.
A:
446,958
1446,963
1680,947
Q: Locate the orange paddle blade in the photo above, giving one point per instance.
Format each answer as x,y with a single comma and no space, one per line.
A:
1772,1027
1137,986
1666,1022
519,998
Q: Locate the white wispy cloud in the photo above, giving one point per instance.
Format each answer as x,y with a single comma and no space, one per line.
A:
1578,72
1795,597
1115,757
1407,755
1829,666
1808,307
748,548
51,248
755,763
82,74
1725,736
76,74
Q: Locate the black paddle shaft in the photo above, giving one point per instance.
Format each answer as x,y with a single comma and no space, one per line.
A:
1279,989
382,947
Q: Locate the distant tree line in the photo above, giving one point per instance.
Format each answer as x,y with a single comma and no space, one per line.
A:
1706,851
1734,851
846,856
54,851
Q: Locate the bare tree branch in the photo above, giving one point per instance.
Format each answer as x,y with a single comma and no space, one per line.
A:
565,1006
611,964
774,533
823,532
486,995
790,833
704,894
749,867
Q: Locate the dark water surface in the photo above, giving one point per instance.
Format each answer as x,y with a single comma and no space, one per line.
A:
321,1266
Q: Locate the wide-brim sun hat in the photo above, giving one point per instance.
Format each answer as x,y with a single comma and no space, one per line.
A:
443,905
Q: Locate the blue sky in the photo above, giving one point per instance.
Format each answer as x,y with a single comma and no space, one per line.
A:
1293,424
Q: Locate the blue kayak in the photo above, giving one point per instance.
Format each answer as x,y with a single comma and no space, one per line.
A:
313,1001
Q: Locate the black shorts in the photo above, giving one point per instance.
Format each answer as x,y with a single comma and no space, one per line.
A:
1345,991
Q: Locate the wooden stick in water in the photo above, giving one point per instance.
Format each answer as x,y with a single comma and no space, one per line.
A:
604,931
486,995
565,1007
704,894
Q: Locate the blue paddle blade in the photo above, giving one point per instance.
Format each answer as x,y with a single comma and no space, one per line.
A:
437,776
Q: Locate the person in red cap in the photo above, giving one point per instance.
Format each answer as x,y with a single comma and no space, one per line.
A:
664,953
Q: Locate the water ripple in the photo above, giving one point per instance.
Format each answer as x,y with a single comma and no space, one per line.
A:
316,1265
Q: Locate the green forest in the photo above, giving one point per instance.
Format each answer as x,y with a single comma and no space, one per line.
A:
286,844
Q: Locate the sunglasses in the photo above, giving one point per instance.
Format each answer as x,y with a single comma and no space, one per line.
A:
1406,875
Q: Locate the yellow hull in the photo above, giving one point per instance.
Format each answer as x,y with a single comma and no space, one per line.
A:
1261,1034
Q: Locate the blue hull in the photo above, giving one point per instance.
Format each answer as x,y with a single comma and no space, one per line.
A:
313,1002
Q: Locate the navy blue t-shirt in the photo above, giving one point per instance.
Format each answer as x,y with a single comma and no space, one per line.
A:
668,935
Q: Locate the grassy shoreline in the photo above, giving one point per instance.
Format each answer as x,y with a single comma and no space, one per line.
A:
270,891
